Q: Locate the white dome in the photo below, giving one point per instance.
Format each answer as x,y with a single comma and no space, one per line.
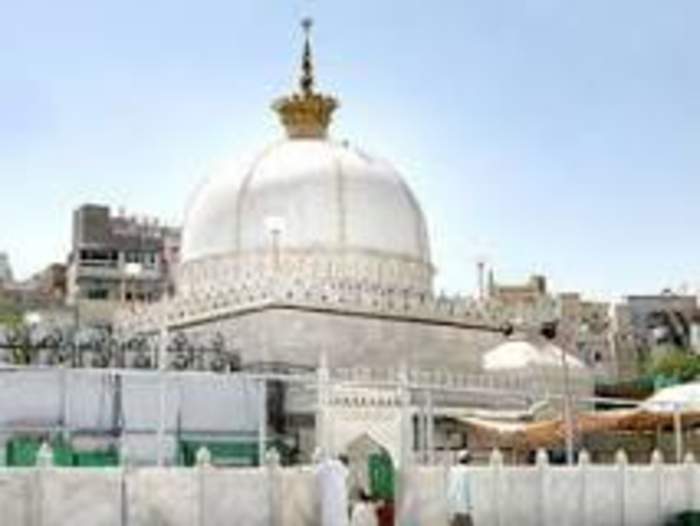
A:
521,354
307,210
310,198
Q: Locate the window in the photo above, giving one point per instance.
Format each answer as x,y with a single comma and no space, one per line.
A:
98,294
99,257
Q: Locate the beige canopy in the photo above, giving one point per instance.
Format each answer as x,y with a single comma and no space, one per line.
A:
549,433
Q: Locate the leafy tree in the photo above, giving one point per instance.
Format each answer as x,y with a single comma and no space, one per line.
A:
10,314
675,362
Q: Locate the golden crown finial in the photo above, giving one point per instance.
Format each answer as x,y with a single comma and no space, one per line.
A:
307,114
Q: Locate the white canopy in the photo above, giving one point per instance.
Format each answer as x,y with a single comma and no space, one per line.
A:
684,397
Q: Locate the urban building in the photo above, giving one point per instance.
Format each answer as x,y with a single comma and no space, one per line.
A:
587,326
44,291
663,320
118,259
525,294
628,358
50,282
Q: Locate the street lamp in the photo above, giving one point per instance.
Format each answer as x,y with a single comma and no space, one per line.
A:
162,373
582,342
275,227
549,331
31,320
132,271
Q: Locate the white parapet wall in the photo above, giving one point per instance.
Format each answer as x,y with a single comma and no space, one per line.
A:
586,494
202,496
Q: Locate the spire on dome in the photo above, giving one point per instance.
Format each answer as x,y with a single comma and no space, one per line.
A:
306,82
306,115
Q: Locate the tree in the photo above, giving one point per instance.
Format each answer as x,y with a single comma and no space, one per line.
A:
10,313
676,362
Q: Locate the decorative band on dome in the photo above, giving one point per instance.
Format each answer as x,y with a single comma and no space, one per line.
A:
306,114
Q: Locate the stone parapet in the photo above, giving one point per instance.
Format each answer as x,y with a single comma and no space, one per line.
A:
193,307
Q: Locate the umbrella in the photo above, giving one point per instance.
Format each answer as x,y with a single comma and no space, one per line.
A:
685,397
678,399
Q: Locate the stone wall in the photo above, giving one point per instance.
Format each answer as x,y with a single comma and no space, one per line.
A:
586,494
298,336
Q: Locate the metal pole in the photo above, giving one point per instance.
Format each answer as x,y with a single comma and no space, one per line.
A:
262,422
407,435
162,365
322,399
568,412
76,317
64,405
431,429
421,431
678,429
480,278
276,249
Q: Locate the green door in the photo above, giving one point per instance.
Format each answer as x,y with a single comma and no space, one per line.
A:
381,476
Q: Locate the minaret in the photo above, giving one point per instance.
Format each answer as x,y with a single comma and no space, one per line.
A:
480,267
492,284
306,114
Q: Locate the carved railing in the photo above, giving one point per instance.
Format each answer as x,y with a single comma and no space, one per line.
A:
198,306
103,349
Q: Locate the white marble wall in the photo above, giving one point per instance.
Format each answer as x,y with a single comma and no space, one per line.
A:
299,336
583,495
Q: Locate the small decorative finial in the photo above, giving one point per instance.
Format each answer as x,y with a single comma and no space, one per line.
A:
307,67
203,457
307,114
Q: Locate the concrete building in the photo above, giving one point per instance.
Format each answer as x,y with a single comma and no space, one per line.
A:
587,327
523,294
646,325
118,259
662,320
44,291
627,355
50,282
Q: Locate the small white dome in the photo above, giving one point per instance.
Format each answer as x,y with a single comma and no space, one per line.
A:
521,354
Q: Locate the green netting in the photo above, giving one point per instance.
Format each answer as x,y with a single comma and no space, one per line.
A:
686,518
101,458
22,452
228,453
62,454
381,476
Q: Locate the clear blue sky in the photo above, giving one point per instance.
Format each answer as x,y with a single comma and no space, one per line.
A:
555,136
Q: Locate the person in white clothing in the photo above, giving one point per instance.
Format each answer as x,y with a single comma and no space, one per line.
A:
459,492
363,512
331,477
